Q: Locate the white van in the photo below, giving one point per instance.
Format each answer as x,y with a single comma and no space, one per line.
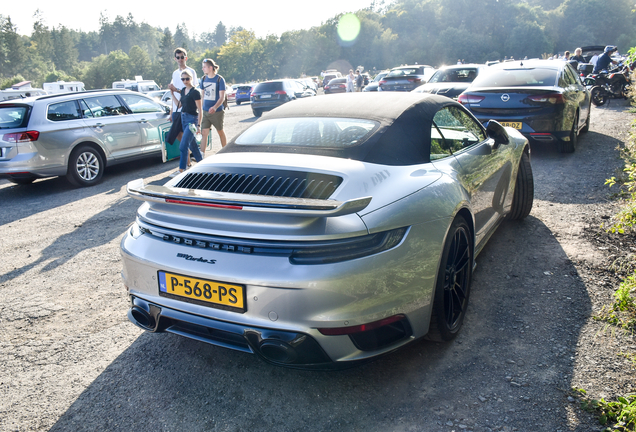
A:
9,94
63,87
138,84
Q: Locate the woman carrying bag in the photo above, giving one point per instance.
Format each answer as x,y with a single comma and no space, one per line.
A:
191,113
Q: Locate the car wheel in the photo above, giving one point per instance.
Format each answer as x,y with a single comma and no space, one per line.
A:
570,146
586,127
523,197
598,95
85,166
453,283
257,113
238,103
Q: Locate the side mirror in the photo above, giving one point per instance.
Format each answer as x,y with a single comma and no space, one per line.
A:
496,131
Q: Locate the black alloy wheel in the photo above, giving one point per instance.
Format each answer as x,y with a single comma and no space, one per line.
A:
453,283
523,197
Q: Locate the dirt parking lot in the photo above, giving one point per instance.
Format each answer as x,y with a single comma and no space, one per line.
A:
70,360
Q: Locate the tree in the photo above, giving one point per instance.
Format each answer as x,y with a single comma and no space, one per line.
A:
181,37
165,61
64,51
139,62
220,35
13,52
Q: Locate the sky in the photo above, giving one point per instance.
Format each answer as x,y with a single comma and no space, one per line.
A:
263,17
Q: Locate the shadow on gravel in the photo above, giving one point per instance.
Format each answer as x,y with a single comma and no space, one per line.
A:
551,170
509,368
96,231
21,201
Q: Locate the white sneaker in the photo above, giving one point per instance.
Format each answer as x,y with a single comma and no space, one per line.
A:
174,174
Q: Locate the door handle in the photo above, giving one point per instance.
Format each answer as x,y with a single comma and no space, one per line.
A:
98,125
143,120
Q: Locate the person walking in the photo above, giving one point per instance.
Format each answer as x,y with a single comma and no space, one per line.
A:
191,112
175,86
213,86
359,81
350,81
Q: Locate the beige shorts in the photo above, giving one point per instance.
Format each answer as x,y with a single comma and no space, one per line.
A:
215,119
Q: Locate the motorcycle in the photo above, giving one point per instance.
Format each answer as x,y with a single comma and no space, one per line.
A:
609,84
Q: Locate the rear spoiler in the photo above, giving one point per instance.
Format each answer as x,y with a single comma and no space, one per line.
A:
252,203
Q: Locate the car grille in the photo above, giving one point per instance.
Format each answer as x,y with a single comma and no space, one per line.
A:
505,111
271,183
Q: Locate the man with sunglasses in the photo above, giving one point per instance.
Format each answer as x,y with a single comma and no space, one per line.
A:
175,86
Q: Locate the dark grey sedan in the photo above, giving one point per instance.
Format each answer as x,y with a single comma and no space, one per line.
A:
545,100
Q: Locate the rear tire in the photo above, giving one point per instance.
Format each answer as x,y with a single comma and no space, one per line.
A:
257,113
238,103
453,283
85,167
523,197
570,146
598,95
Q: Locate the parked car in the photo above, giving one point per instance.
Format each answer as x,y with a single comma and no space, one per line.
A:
373,85
451,81
336,85
158,95
230,91
270,94
406,78
308,82
544,99
243,93
328,76
78,135
330,232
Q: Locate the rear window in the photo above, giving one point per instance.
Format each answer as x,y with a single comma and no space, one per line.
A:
312,132
454,75
517,78
406,71
268,87
13,117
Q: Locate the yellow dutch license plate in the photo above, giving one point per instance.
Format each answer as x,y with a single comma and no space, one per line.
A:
202,291
516,125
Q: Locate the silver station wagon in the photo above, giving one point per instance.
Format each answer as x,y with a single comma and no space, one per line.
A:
331,231
78,134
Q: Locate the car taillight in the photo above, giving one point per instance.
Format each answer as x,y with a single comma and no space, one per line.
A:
470,99
553,98
19,137
382,82
280,92
414,80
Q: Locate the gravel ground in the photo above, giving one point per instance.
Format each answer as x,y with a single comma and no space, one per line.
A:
70,360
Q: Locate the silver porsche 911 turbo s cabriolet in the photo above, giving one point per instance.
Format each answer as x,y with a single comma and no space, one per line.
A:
331,231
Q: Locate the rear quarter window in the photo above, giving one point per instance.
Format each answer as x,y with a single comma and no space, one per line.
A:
63,111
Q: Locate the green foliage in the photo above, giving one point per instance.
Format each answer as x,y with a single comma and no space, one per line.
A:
8,82
621,414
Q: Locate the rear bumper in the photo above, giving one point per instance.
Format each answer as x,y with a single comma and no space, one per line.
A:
544,127
268,105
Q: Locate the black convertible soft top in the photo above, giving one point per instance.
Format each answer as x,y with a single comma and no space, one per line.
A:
403,137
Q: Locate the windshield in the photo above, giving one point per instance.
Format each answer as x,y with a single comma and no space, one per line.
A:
379,76
454,75
517,78
313,132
